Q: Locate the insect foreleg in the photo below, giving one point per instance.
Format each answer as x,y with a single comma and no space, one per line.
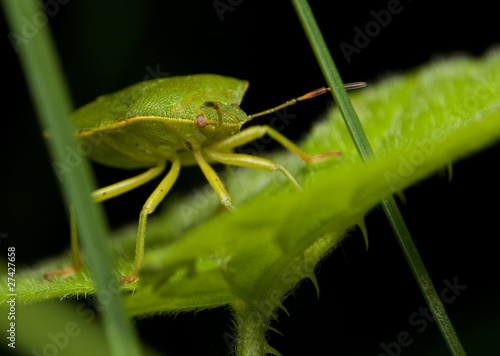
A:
243,160
255,132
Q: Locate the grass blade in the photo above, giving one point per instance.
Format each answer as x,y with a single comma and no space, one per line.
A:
50,95
389,205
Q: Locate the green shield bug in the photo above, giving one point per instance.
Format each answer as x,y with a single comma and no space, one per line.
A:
185,120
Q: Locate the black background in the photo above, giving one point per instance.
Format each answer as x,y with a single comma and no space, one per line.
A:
366,297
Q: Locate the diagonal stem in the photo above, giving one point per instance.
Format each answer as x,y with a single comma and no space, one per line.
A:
389,206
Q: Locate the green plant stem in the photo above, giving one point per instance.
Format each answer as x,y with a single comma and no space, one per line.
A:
40,63
420,273
252,325
390,208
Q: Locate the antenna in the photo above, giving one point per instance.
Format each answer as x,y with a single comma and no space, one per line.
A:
310,95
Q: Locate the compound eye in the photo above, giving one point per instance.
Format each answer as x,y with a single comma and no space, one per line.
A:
201,121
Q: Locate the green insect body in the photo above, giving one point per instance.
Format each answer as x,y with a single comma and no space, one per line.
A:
183,120
155,120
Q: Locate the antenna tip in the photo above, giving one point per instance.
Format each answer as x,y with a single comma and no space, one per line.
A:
354,85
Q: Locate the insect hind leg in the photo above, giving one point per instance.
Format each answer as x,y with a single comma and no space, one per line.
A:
75,251
100,195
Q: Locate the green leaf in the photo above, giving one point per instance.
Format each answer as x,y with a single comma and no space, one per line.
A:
198,256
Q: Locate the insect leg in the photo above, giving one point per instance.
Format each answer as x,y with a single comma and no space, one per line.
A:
100,195
150,205
126,185
256,132
75,251
243,160
214,180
